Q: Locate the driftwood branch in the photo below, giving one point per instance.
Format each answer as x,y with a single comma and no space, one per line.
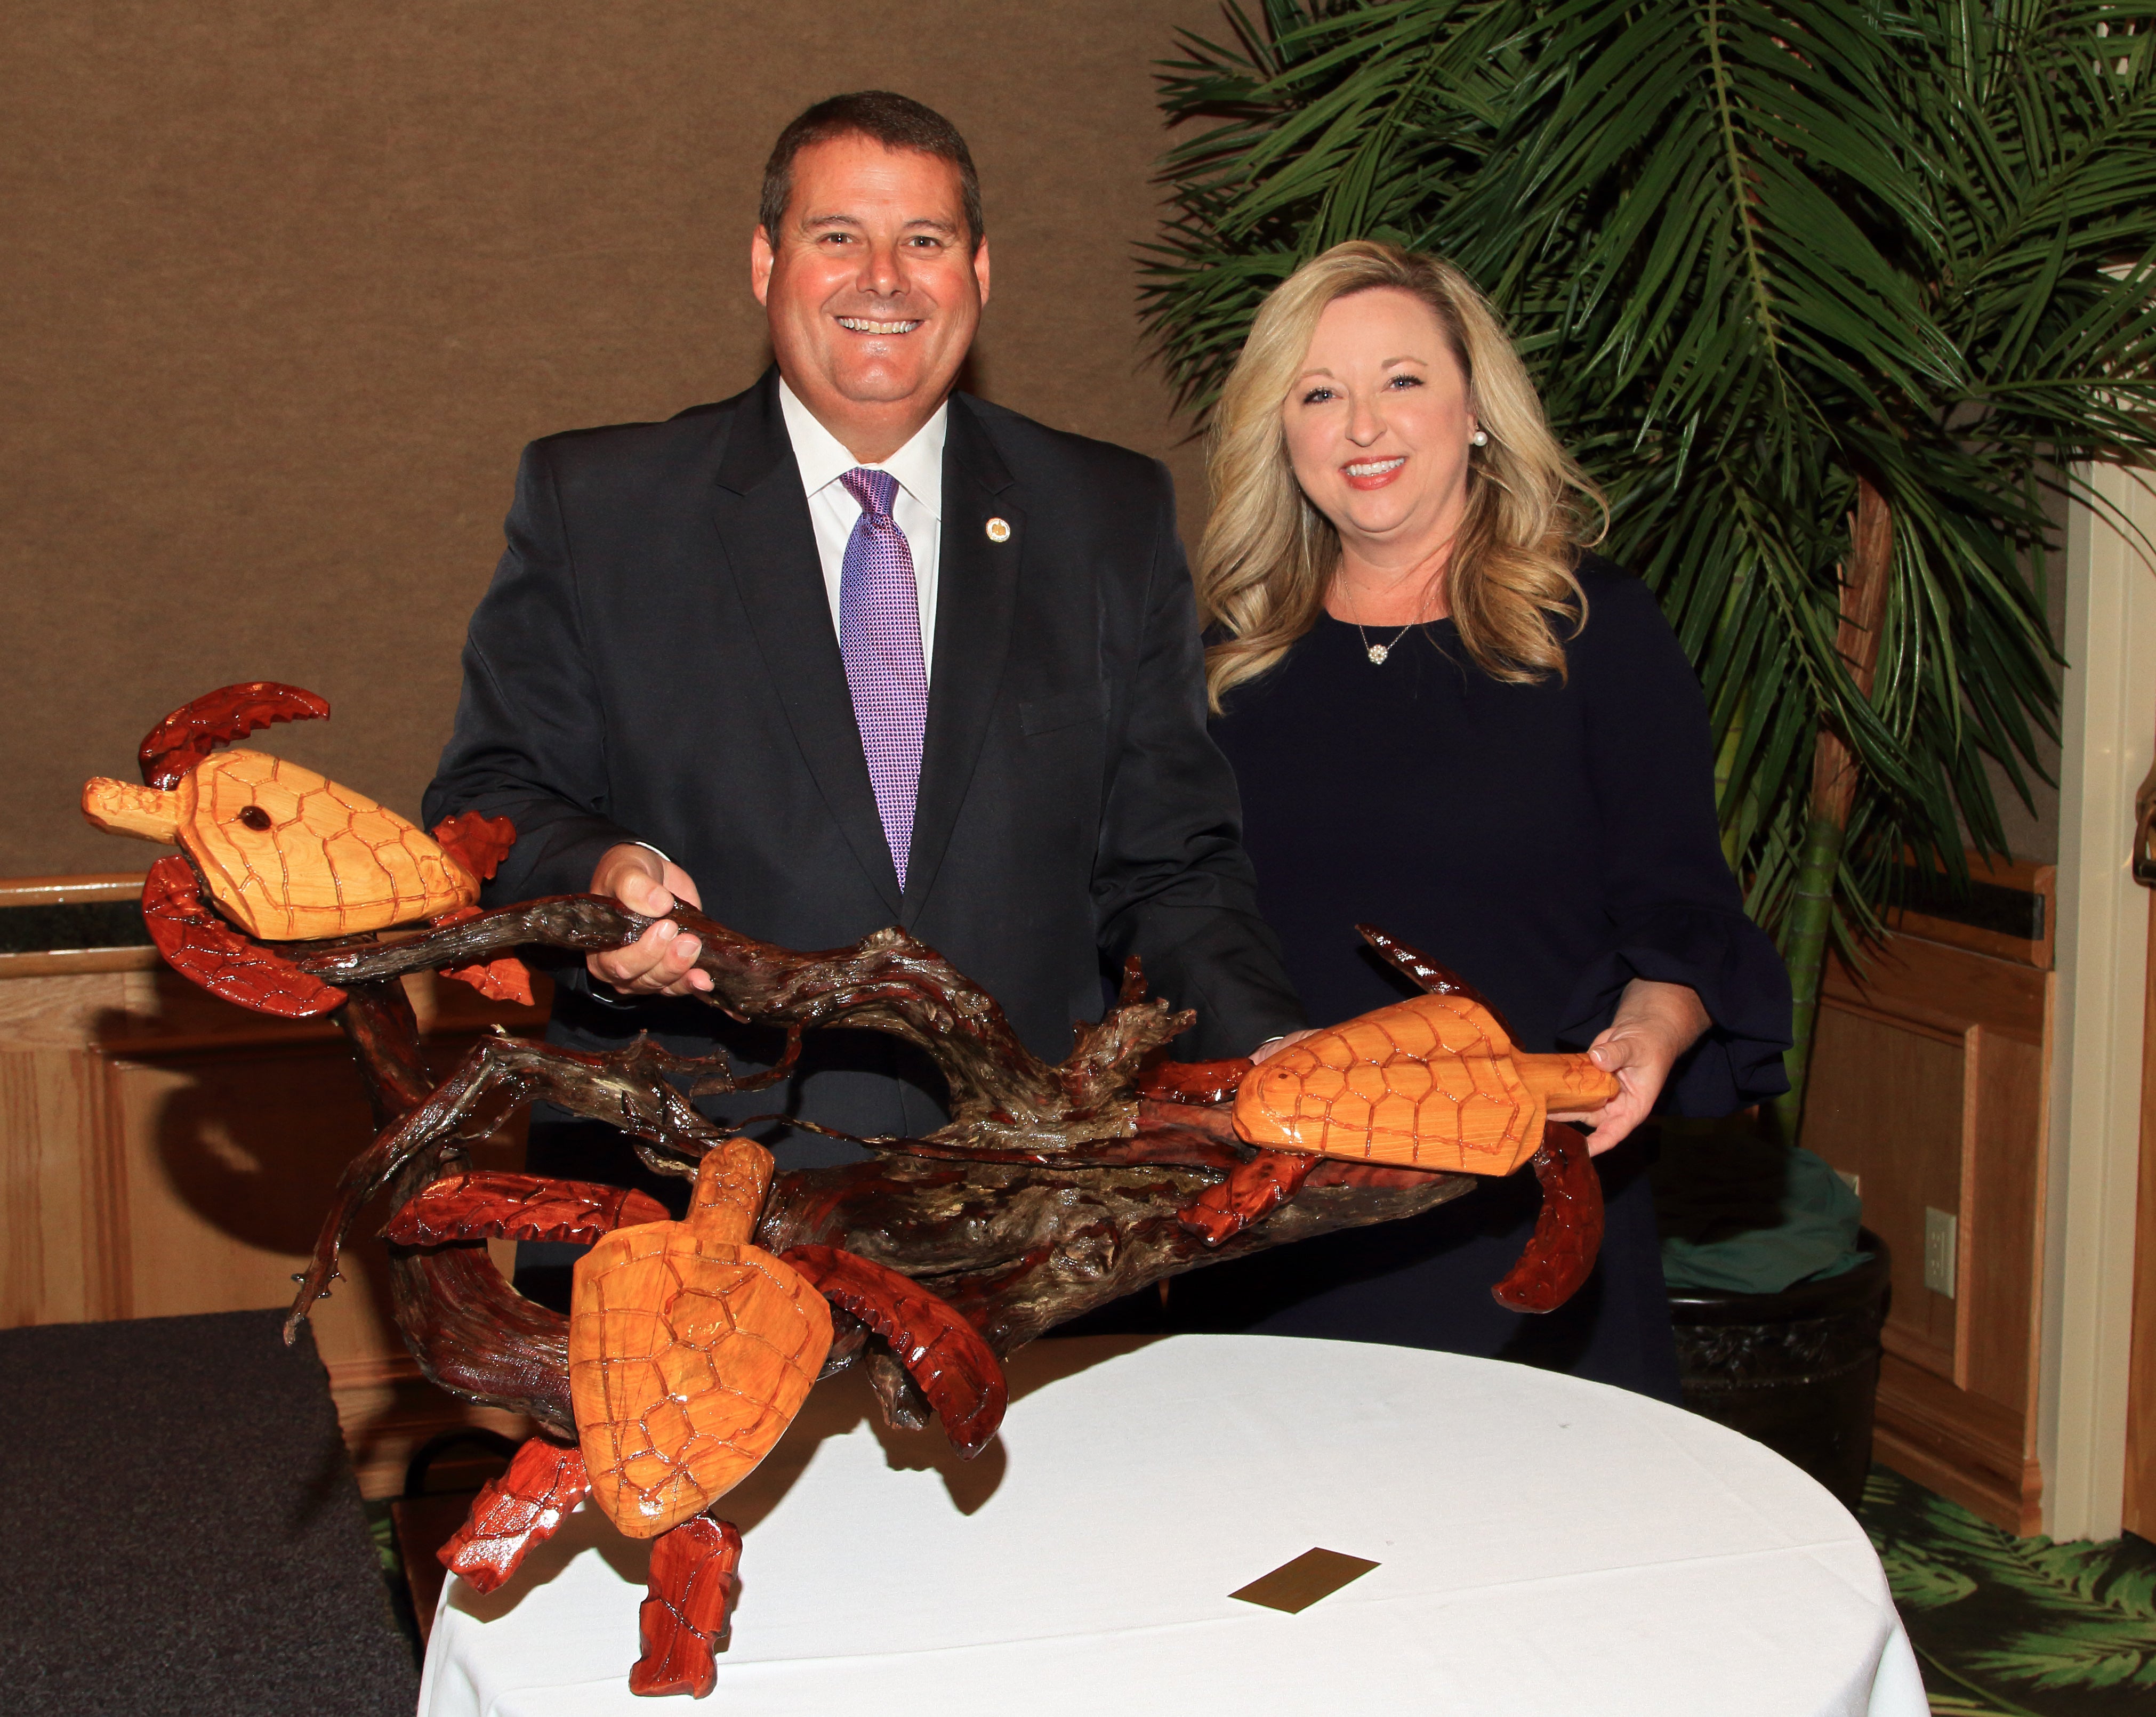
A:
1001,1095
1051,1191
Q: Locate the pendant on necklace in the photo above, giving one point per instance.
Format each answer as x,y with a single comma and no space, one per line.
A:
1378,652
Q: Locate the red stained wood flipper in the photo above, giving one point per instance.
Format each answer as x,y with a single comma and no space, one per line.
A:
231,712
1193,1081
1568,1233
523,1507
507,979
478,843
1257,1189
683,1620
956,1369
204,948
491,1206
1426,975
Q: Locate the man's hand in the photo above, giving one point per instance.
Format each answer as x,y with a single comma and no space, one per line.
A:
1273,1046
1656,1023
660,961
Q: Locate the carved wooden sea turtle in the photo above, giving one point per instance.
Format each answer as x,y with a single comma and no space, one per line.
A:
1430,1083
284,854
690,1350
1433,1083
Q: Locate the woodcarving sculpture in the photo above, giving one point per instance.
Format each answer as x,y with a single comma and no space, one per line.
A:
1051,1190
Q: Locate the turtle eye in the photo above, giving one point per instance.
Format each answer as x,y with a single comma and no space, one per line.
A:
255,818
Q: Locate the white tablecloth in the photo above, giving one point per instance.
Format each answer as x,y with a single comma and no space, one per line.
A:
1546,1546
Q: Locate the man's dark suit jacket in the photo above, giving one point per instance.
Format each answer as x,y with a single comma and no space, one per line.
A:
655,661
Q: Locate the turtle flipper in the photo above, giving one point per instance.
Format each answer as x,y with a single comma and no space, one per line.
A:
231,712
1200,1082
525,1506
1426,975
488,1206
1568,1231
944,1354
1253,1190
478,842
683,1620
204,948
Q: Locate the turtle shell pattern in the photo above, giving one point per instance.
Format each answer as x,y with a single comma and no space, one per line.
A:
689,1356
1428,1083
289,854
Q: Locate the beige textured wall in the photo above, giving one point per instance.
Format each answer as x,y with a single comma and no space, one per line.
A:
289,284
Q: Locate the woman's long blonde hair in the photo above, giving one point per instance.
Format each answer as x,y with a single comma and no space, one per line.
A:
1268,555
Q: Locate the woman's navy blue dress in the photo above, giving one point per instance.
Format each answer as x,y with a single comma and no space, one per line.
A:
1549,843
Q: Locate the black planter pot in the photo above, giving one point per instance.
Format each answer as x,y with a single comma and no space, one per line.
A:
1797,1371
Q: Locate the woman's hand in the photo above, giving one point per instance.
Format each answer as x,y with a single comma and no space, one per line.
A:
662,961
1656,1023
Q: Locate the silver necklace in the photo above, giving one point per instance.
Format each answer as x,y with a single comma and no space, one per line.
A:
1377,652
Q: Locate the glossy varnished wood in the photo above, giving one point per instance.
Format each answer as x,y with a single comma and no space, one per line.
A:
691,1350
953,1368
524,1507
683,1622
495,1206
1430,1083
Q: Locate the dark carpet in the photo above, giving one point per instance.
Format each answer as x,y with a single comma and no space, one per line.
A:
180,1531
2007,1626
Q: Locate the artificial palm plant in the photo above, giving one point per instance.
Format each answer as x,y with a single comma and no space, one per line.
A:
1826,294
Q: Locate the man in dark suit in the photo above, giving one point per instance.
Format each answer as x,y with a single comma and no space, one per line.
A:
851,649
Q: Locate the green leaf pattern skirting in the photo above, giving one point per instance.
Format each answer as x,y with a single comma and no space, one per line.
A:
2021,1627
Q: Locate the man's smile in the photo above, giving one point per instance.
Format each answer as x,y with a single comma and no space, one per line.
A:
862,324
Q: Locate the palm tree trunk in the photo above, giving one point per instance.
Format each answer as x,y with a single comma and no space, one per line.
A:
1835,775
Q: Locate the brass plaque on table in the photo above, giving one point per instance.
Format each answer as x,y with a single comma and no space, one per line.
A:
1299,1584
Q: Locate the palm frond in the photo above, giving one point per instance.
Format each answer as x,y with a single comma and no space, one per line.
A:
2101,1604
1753,253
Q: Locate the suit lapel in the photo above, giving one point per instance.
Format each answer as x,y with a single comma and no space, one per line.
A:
976,608
763,520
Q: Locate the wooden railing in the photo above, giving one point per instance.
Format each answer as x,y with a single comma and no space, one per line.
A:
164,1152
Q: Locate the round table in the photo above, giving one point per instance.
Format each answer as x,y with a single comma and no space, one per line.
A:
1544,1546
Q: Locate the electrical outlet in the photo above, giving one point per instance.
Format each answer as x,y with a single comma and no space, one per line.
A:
1854,1182
1942,1242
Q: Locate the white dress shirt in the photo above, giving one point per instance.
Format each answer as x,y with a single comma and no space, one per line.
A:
917,510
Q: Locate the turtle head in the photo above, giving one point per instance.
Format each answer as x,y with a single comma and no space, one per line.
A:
172,749
286,854
119,807
730,1190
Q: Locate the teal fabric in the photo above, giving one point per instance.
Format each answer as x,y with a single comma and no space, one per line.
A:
1742,1213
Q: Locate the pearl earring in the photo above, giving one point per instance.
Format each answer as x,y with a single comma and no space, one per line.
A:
1481,437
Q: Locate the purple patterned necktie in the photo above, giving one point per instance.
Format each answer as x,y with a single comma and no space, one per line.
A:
880,637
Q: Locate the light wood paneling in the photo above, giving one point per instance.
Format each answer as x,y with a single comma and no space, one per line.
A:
1928,983
2040,880
1929,1086
2002,1195
162,1152
1975,1452
60,1233
1885,1105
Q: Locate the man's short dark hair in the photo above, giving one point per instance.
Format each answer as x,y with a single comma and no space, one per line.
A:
894,120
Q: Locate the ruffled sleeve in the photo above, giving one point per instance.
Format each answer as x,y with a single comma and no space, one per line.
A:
1675,912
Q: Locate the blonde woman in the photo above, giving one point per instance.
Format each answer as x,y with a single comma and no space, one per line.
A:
1450,720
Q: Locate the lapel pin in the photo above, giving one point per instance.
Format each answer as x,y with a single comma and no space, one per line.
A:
998,530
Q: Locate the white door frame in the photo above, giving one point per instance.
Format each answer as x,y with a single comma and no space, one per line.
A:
2093,1160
